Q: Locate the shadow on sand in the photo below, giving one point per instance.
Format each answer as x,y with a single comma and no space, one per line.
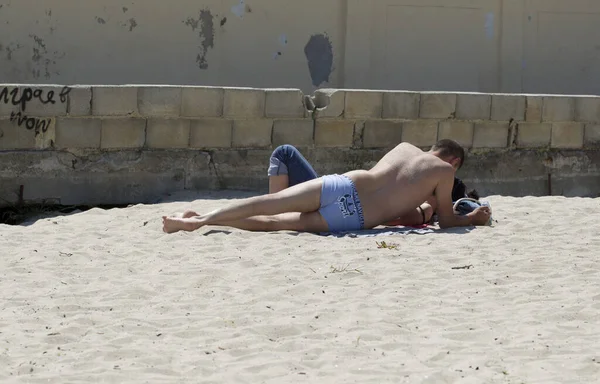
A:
28,214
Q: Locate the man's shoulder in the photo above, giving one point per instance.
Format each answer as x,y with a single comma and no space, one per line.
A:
434,162
439,168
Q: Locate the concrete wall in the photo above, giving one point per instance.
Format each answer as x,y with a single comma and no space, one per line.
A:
516,46
232,43
127,144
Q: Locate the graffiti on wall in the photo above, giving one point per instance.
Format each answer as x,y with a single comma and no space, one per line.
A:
30,122
22,97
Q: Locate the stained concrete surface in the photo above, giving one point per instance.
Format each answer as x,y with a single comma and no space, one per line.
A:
523,46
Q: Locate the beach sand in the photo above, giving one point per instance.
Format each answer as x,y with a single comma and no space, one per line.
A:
105,296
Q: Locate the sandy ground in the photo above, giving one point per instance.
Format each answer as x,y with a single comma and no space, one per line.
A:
105,296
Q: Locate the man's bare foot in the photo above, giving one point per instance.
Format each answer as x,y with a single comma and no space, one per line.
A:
175,224
188,214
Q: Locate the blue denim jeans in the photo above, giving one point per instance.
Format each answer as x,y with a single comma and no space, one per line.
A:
287,160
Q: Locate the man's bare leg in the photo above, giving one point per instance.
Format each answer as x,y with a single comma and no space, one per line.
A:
278,183
301,198
188,214
291,221
176,224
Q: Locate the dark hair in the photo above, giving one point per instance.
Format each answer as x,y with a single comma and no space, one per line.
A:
473,194
459,190
447,147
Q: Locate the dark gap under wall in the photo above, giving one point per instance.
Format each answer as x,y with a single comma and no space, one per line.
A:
19,214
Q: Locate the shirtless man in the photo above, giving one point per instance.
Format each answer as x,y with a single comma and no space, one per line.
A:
288,167
404,178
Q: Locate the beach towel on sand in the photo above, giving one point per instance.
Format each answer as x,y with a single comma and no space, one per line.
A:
385,231
462,206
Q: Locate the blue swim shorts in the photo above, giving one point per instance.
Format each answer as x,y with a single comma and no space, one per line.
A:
340,204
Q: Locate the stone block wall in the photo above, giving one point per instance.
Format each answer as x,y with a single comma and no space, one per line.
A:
127,144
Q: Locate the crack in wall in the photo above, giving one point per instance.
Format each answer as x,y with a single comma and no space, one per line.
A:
358,136
513,132
213,165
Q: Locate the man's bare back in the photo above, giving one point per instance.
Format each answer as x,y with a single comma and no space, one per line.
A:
404,178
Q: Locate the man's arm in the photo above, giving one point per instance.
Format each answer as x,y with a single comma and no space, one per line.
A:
445,210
